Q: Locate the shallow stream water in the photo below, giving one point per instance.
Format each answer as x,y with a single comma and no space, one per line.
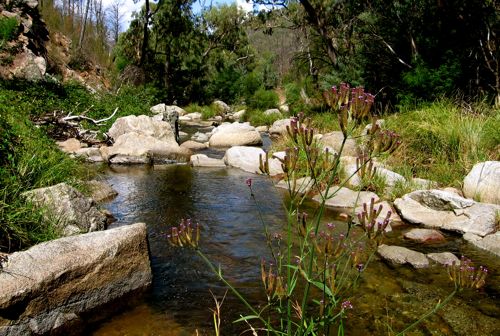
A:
218,198
180,299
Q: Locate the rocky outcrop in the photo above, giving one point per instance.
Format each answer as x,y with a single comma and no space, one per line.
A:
483,182
23,55
448,211
235,134
426,236
200,137
141,139
490,243
271,112
68,208
398,255
221,107
345,199
55,286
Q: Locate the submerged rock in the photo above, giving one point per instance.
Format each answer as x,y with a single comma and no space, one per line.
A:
55,286
444,258
347,199
425,236
72,212
447,211
483,182
490,243
401,255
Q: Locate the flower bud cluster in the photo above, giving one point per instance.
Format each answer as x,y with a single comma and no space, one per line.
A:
274,284
186,234
368,220
365,167
465,275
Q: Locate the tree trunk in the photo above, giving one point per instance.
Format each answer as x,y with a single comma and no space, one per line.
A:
145,35
84,23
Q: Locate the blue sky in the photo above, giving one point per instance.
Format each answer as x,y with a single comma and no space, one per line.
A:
129,7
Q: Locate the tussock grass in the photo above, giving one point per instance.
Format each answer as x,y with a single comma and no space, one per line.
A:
29,160
443,140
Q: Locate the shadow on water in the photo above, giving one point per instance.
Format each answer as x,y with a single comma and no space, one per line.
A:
218,198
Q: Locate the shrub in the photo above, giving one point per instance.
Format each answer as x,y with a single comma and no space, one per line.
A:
8,28
263,99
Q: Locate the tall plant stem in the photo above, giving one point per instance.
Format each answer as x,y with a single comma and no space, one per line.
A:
438,306
235,292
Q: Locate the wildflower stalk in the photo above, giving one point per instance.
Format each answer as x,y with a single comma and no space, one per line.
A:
218,272
431,312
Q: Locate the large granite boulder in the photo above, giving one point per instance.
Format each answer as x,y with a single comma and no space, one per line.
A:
483,182
54,287
141,139
194,145
334,140
72,212
278,128
169,114
235,134
135,147
344,199
245,158
142,124
399,255
490,243
448,211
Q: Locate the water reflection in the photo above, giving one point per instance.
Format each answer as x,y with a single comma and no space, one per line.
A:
232,236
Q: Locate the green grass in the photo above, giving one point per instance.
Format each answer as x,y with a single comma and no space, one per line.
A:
258,118
442,141
29,160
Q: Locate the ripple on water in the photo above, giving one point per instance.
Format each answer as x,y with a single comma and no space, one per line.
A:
232,236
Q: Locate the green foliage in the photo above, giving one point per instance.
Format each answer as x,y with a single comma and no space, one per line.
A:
263,99
28,160
8,28
443,141
258,118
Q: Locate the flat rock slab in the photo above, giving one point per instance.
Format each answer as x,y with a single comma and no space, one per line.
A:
490,243
194,145
346,199
302,185
444,258
426,236
394,219
401,255
444,210
201,160
56,284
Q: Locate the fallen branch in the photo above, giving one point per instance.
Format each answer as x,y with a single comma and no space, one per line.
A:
95,122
